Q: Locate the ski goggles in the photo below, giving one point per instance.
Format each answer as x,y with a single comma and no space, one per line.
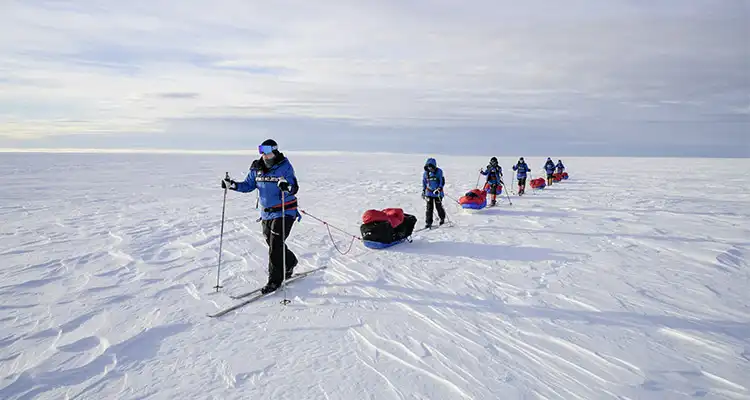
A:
266,149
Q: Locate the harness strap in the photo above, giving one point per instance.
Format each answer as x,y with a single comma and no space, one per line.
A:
290,205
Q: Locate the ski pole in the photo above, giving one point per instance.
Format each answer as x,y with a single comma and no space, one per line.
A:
506,192
221,235
283,245
478,179
449,219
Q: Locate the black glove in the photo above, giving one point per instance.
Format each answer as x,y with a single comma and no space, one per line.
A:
228,184
283,185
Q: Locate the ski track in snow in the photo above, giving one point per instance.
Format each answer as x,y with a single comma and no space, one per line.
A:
623,282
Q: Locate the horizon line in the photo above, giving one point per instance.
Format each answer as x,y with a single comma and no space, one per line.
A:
83,150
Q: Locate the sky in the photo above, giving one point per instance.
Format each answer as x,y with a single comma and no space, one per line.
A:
605,78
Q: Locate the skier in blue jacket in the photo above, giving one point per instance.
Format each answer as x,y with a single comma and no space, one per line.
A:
522,169
494,174
273,175
560,167
433,183
549,167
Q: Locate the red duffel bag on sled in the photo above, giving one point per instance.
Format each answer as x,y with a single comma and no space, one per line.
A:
474,200
538,183
394,216
385,228
557,177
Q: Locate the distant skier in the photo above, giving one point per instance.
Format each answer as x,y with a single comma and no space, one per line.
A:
549,167
494,173
272,174
522,169
433,183
560,167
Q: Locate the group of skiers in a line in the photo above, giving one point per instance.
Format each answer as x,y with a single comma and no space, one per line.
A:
273,176
433,181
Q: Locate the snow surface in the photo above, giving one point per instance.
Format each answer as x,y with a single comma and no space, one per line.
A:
630,280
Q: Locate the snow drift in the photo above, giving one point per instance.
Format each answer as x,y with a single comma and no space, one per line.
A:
620,283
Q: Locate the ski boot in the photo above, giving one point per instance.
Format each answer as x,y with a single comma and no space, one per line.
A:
290,269
270,287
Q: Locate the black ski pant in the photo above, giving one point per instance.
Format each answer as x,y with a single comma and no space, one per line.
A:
432,203
272,230
521,184
493,188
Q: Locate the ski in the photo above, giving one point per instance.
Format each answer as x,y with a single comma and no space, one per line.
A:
432,228
243,295
252,292
257,295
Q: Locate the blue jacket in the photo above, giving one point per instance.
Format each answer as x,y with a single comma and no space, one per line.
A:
522,169
549,167
493,174
560,167
266,181
432,180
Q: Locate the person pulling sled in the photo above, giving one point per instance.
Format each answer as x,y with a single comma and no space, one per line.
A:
494,174
522,169
273,175
560,167
433,183
549,167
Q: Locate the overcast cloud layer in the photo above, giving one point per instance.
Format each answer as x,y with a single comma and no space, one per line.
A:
668,77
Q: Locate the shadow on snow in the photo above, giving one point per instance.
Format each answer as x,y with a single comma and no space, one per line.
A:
483,251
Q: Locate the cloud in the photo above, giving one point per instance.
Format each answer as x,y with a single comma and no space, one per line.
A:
138,66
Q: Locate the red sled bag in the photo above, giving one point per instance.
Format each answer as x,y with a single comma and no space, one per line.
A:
475,199
538,183
384,228
395,216
475,196
371,216
557,177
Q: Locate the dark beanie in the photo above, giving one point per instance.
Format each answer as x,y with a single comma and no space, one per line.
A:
269,142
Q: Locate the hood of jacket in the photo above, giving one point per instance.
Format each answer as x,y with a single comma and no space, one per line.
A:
430,162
